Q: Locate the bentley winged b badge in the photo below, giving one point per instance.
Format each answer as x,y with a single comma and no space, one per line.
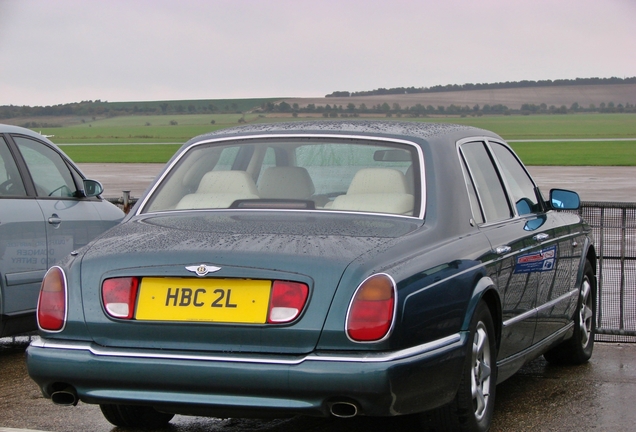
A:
202,269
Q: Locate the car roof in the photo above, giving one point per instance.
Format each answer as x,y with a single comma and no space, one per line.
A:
10,129
5,128
417,130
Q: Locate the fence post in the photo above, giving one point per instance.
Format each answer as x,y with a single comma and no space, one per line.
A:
126,199
622,256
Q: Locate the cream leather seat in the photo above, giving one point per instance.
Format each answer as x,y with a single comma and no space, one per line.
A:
219,189
377,190
286,183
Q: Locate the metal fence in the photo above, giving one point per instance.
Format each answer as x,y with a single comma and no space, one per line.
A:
614,226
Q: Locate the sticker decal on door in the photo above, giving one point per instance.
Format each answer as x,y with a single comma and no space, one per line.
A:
539,261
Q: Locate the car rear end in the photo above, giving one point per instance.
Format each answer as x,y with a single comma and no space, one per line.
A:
222,296
130,327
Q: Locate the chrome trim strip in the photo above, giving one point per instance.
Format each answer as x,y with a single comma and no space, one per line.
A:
537,246
364,357
520,317
163,212
536,310
441,281
418,149
558,300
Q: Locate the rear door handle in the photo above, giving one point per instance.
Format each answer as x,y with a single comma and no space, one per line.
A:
54,219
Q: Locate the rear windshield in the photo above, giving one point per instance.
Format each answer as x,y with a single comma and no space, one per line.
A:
296,174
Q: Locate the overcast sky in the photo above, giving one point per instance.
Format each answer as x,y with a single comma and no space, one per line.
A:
62,51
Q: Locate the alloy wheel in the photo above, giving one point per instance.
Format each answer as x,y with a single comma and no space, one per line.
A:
481,371
586,312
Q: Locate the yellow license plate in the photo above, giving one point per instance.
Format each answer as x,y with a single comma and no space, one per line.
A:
209,300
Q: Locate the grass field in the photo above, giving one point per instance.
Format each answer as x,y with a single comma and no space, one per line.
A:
121,153
157,129
144,129
597,153
555,126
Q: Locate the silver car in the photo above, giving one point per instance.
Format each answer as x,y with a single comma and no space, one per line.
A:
47,209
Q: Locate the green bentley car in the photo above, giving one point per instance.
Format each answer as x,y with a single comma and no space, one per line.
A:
322,269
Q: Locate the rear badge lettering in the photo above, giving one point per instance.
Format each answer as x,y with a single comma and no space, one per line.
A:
221,293
184,297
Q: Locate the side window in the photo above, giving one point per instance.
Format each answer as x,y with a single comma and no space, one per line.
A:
472,197
521,186
50,173
487,182
10,181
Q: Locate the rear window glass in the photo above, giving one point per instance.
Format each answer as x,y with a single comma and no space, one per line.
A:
305,174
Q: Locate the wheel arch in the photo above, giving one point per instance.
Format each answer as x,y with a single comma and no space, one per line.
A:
589,254
485,291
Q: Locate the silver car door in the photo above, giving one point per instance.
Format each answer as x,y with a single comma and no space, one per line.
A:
71,220
23,249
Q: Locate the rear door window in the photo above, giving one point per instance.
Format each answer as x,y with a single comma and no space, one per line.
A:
488,184
11,184
51,175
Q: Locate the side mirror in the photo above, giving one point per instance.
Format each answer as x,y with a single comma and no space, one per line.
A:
561,199
92,188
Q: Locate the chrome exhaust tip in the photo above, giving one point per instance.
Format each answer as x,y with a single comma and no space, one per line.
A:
343,409
66,397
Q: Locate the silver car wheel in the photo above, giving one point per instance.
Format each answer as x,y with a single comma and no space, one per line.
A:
586,313
481,371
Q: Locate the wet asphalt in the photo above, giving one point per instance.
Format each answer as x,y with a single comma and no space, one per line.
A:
597,396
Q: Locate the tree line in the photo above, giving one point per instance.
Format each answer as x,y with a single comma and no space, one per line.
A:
99,108
353,110
486,86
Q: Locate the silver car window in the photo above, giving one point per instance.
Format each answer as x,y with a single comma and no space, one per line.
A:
50,173
11,184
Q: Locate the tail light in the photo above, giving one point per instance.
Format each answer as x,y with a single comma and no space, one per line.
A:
372,309
287,301
119,296
52,304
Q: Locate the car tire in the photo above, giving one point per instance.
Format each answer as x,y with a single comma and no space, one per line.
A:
144,417
578,349
473,406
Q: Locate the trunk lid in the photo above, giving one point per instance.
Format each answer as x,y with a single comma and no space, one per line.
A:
261,246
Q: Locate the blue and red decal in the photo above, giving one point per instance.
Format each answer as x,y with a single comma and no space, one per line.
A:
539,261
